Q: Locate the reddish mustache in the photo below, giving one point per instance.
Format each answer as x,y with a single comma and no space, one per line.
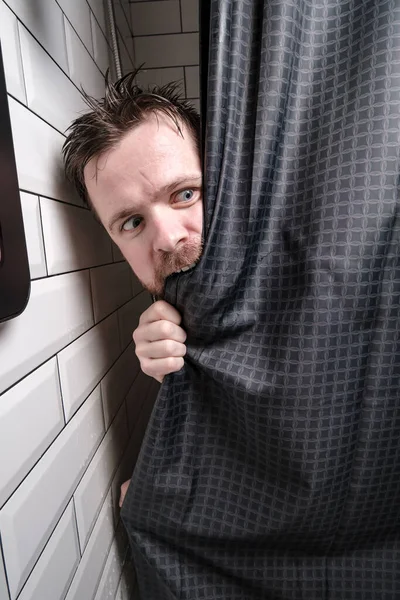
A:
170,262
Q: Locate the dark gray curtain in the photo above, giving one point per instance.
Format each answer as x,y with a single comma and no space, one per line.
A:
271,465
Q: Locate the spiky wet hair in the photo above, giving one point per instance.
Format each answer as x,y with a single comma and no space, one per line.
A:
124,106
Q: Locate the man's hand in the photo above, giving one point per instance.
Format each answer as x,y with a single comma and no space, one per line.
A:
160,341
124,489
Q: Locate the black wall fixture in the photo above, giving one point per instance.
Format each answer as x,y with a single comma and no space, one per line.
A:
14,266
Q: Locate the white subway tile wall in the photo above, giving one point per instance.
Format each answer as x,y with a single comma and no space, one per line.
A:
166,42
68,371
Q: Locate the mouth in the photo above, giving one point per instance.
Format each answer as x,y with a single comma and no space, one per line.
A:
184,269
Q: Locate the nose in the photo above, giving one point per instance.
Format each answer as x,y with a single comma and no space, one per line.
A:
168,231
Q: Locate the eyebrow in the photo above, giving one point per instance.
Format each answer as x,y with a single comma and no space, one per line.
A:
127,212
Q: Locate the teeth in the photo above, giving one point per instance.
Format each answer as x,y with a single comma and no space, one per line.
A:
184,269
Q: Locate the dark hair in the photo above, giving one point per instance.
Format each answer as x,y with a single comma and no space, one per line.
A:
124,106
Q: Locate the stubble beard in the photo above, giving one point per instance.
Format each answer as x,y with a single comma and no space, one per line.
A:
171,262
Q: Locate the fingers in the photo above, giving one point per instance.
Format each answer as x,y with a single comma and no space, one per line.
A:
124,489
161,349
160,311
159,367
159,341
159,330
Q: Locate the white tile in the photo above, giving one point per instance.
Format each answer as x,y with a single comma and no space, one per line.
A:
167,50
11,53
150,77
101,49
128,581
59,309
49,92
117,254
149,18
97,7
87,577
73,239
28,518
112,571
121,21
190,15
38,155
129,314
95,483
125,58
33,235
56,566
192,82
82,68
136,285
126,5
4,595
196,104
78,13
38,395
115,385
111,287
44,20
83,363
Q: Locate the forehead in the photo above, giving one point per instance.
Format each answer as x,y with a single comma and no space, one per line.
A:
146,158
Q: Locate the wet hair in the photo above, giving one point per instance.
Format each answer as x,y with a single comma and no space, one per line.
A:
125,106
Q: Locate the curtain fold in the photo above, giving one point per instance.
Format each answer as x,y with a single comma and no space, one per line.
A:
271,465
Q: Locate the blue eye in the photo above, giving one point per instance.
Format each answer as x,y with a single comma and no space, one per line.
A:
132,223
186,195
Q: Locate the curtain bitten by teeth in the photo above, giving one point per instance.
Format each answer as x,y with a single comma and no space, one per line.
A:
271,465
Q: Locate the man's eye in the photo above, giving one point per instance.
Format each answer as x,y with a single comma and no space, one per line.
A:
132,223
185,196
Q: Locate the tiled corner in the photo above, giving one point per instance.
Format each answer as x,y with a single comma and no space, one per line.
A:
115,385
167,50
110,578
129,314
121,21
11,53
111,288
127,584
149,77
190,15
33,235
95,483
150,18
192,77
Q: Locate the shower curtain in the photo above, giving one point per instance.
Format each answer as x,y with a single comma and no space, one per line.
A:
271,465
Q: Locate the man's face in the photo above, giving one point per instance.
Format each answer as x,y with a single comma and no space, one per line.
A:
147,193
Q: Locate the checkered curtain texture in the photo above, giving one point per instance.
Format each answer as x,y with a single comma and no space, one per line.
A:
271,465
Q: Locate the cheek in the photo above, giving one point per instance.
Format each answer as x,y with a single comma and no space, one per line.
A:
135,256
196,218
